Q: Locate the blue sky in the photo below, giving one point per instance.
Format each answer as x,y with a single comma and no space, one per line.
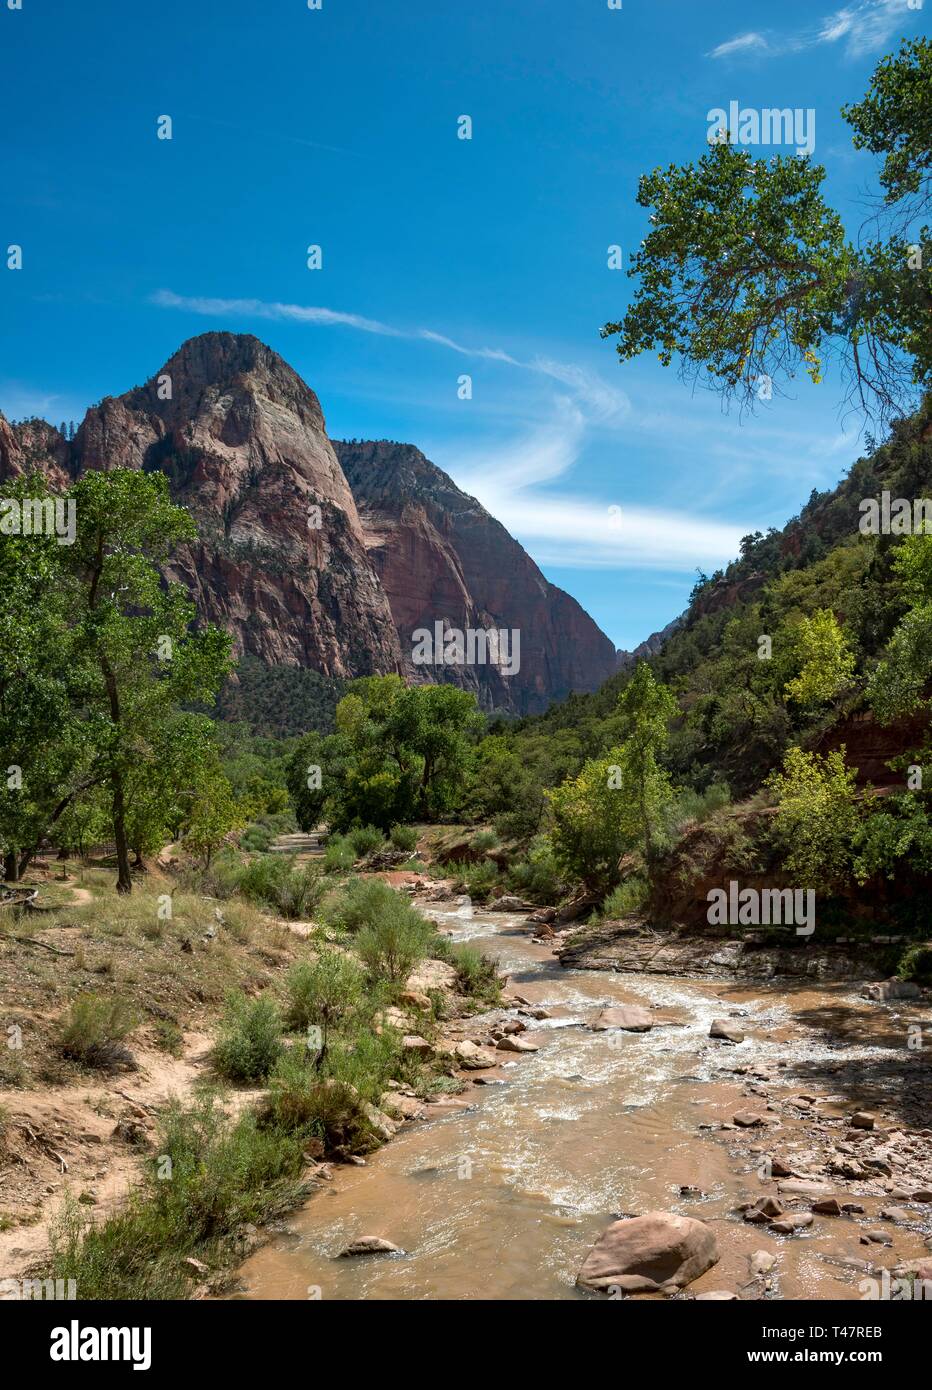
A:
441,256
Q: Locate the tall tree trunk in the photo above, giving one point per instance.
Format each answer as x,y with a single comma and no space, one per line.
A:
124,879
11,866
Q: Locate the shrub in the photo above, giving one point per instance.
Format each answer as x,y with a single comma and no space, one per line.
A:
360,903
916,964
277,882
478,880
629,896
95,1028
364,839
476,973
537,877
483,840
250,1041
339,855
367,1060
256,838
303,1104
323,991
817,814
404,837
391,946
219,879
692,807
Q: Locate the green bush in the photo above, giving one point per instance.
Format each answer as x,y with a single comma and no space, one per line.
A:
916,964
95,1028
478,880
305,1105
692,807
483,840
367,1060
477,974
256,838
219,879
629,896
359,904
393,944
250,1041
403,837
323,991
364,839
339,855
536,877
276,881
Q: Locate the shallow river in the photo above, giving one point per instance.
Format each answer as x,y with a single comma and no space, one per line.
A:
503,1200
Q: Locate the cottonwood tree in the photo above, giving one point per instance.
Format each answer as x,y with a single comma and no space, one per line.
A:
645,708
399,752
824,660
43,742
135,655
748,278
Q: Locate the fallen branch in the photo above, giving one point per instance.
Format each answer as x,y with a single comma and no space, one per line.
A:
31,941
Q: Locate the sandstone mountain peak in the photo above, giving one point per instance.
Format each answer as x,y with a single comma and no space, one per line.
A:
328,556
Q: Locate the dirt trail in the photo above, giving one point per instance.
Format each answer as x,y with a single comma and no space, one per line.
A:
62,1139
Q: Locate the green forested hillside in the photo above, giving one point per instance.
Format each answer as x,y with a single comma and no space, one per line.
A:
735,720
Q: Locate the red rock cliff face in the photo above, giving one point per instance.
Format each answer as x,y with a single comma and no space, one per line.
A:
242,441
441,556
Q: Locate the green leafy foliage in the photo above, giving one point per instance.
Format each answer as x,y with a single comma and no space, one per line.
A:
250,1042
817,815
748,278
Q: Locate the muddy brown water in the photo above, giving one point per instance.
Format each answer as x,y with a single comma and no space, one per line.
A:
503,1200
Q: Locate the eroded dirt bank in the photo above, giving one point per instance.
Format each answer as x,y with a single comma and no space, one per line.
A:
502,1197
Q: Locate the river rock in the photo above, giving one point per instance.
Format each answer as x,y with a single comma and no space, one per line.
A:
432,974
726,1031
508,903
748,1119
420,1047
828,1206
648,1251
370,1245
762,1262
472,1057
401,1107
764,1210
384,1127
799,1187
511,1044
891,989
862,1120
411,999
792,1221
630,1017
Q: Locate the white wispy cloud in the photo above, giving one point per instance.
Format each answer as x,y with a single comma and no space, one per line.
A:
604,400
863,28
22,402
563,528
742,43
